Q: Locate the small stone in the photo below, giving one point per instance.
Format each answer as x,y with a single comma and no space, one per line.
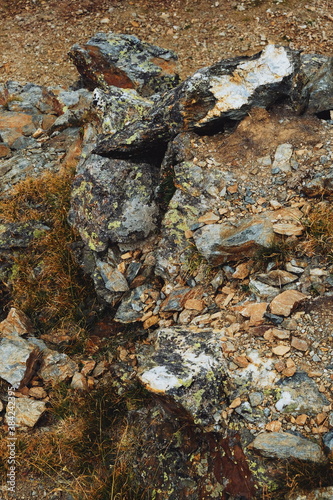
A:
288,228
279,366
301,419
37,392
242,271
15,323
320,418
273,426
209,218
235,403
256,398
300,345
255,311
27,412
281,350
153,320
79,382
88,366
241,361
195,304
100,369
289,371
283,303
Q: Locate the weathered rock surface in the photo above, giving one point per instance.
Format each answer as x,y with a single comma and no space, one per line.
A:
113,202
27,412
208,99
187,369
318,88
285,446
124,61
317,494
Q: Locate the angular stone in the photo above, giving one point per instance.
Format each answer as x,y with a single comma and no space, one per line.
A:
288,228
37,392
284,303
79,382
132,306
277,278
255,311
317,93
282,157
281,350
299,344
225,91
186,368
16,323
318,494
124,61
27,412
20,234
285,446
262,290
114,280
119,107
195,304
113,201
57,367
300,394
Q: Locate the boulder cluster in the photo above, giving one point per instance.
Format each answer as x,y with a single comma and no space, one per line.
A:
191,201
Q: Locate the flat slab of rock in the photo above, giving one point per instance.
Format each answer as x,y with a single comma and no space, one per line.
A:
286,446
187,369
126,62
284,303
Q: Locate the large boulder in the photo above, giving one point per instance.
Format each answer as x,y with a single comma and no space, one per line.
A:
111,59
209,99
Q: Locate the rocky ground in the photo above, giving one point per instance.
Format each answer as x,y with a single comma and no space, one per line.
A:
251,316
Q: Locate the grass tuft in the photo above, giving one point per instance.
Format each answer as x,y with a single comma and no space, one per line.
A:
319,230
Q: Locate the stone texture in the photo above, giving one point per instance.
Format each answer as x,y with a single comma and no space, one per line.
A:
124,61
225,91
300,394
286,446
16,323
285,302
317,494
113,201
187,369
20,234
317,72
27,412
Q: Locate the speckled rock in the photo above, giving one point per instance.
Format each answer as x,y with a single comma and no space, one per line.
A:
187,367
126,62
213,95
113,202
132,306
20,234
117,108
300,394
317,73
27,412
318,494
285,446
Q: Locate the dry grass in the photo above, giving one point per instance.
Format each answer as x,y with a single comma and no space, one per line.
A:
88,449
46,281
319,230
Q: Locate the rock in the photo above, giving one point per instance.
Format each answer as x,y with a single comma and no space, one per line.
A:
320,185
283,445
317,73
284,303
206,100
114,280
79,382
300,394
113,201
255,311
57,367
20,234
282,157
299,344
281,349
178,369
27,412
37,392
124,61
277,278
132,306
220,243
14,354
119,107
16,323
318,494
262,290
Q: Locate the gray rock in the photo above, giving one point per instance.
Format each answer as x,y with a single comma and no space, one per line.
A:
282,157
187,369
119,107
317,73
220,243
318,494
15,234
124,61
286,446
113,202
132,306
300,394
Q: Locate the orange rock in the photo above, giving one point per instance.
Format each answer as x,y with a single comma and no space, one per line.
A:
242,271
235,403
283,303
299,344
281,350
301,419
153,320
195,304
273,426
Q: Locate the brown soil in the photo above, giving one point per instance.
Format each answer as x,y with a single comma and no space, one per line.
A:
36,35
